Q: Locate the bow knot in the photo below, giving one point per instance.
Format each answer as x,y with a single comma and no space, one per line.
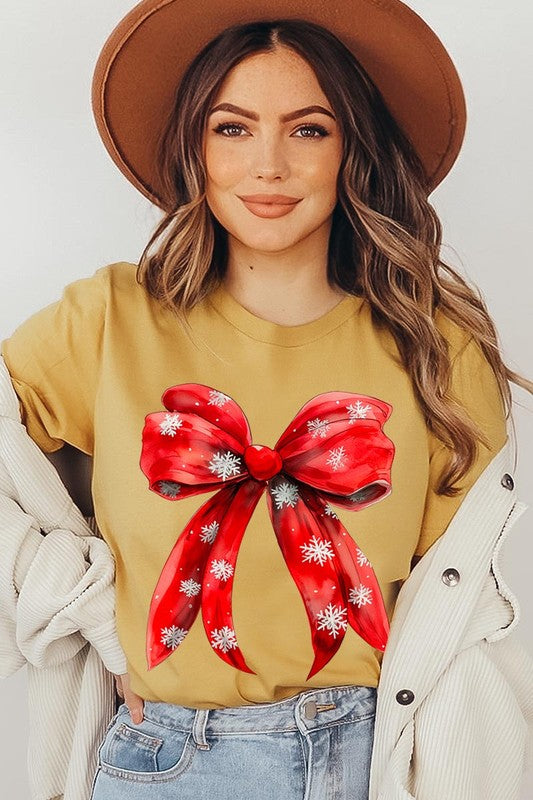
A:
333,451
262,462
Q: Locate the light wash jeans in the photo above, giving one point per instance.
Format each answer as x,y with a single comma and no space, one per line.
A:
316,745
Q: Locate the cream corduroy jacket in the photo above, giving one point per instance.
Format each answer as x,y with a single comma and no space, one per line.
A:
454,717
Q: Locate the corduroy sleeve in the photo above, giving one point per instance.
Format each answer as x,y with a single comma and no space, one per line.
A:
53,358
474,385
57,587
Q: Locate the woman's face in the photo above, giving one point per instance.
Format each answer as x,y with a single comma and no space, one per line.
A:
269,155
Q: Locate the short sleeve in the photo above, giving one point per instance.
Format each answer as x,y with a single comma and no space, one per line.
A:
475,386
53,359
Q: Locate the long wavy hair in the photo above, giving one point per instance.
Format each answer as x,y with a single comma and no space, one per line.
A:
385,236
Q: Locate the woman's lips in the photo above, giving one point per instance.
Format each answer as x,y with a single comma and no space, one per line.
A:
270,210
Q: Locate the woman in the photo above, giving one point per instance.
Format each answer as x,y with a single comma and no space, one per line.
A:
250,322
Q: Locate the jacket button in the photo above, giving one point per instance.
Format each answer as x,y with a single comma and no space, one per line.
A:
405,697
450,576
507,481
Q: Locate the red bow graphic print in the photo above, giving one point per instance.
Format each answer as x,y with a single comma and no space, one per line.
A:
333,451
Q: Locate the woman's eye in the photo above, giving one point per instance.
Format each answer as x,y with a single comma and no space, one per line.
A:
317,128
225,126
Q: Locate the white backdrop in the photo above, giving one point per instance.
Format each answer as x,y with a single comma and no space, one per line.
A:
66,210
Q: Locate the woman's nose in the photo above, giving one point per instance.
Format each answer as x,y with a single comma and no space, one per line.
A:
269,158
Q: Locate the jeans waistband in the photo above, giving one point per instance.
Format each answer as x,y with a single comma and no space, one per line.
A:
309,710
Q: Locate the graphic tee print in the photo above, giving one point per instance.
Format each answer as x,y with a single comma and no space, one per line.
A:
333,451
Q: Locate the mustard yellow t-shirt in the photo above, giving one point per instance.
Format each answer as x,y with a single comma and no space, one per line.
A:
91,366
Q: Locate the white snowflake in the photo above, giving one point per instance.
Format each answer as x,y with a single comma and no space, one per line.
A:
173,636
190,587
221,569
169,488
332,619
224,465
223,638
319,551
330,512
170,424
285,493
357,411
361,595
318,427
362,559
337,456
209,532
217,398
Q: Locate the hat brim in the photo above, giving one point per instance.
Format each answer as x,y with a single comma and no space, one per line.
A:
144,57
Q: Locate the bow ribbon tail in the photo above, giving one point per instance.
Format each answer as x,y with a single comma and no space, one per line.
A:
217,584
177,596
367,613
310,558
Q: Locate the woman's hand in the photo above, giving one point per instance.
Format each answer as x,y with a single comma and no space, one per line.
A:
133,701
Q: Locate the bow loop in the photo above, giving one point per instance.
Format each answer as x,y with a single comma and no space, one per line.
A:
197,444
211,405
336,445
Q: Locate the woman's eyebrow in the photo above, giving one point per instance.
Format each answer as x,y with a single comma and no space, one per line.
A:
300,112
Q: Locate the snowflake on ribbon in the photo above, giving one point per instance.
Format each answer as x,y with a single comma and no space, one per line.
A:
170,424
225,465
221,569
357,411
223,638
337,457
329,511
209,532
217,398
361,595
319,551
362,559
332,620
173,636
190,587
285,493
318,427
169,488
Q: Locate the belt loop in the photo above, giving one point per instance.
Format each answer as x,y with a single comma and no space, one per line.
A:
198,728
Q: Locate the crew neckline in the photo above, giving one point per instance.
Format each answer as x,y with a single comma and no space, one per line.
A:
264,330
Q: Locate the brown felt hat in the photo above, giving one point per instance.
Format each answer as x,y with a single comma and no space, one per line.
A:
143,59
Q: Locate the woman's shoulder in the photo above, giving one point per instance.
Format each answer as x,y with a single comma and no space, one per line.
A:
118,275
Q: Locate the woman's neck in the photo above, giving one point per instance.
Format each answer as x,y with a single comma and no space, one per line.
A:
290,302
